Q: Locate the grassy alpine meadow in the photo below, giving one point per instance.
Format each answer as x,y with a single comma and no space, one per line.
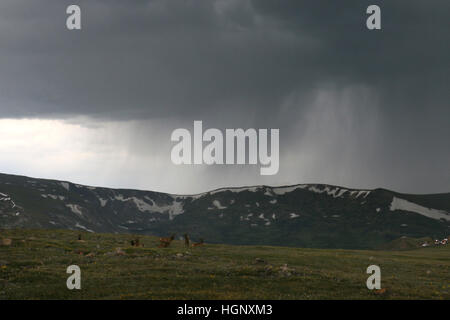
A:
33,266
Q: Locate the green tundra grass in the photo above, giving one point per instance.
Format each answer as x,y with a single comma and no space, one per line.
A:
34,267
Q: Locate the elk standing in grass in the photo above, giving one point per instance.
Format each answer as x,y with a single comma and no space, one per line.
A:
198,243
136,243
165,242
186,240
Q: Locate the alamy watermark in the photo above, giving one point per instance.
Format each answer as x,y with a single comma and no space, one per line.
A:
235,140
374,281
373,22
73,21
74,280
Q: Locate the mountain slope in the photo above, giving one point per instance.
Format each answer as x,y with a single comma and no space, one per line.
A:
306,215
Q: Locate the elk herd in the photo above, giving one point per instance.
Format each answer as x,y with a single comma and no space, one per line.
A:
165,242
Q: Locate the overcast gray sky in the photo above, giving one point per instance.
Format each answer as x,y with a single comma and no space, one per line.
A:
354,107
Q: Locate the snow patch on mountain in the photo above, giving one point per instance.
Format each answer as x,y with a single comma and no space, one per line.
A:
6,197
360,193
173,209
184,197
143,206
363,192
338,192
75,209
120,197
65,185
236,190
54,197
199,195
176,208
217,204
326,189
77,225
283,190
405,205
103,201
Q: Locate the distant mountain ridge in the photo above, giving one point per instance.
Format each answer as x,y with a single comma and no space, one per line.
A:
304,215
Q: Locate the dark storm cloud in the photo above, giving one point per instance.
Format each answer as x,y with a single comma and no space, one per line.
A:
379,98
139,59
